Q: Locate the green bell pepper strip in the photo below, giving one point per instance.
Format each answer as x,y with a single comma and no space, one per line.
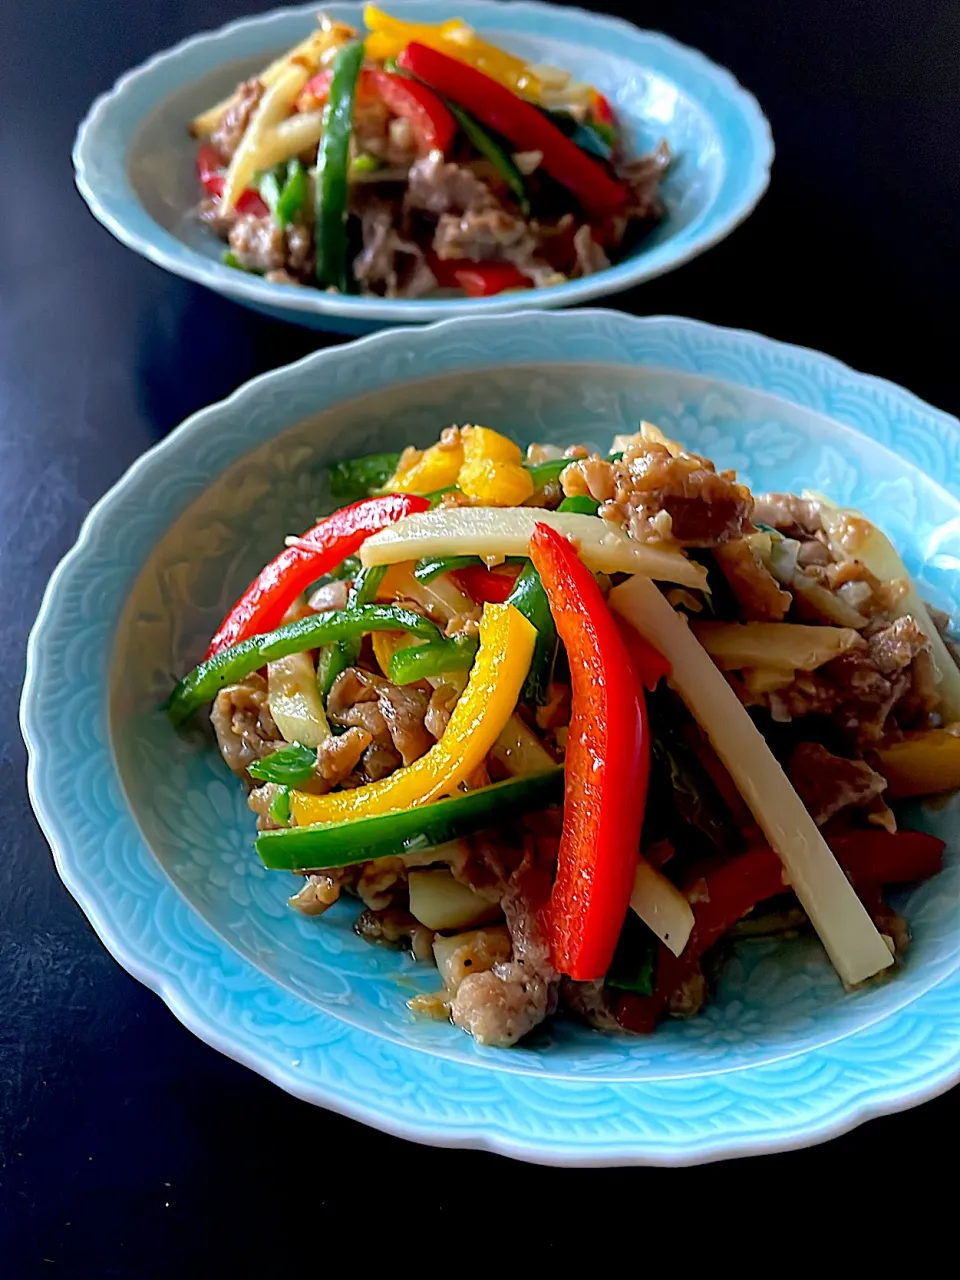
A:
293,194
284,191
433,566
291,765
530,598
337,844
239,660
542,473
436,496
333,160
280,807
581,505
436,658
490,149
335,658
589,135
356,478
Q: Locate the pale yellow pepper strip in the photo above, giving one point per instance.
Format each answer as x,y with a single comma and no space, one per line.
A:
455,39
506,647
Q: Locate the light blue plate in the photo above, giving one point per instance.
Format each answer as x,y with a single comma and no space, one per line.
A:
135,163
153,837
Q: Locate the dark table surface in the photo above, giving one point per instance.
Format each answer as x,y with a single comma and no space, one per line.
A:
129,1148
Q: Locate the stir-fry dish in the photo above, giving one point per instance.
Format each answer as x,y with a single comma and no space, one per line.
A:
568,724
413,160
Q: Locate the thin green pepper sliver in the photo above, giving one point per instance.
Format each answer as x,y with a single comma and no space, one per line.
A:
335,658
433,566
338,844
530,598
436,658
580,505
490,149
333,160
547,472
239,660
293,193
291,765
356,478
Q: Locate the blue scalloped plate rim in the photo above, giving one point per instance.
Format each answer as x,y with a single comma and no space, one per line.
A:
797,1100
739,128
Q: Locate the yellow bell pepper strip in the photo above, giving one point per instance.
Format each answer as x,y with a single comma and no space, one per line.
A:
485,706
454,38
422,472
922,764
493,472
239,660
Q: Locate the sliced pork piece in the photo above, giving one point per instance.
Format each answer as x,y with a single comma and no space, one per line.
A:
391,714
434,186
501,1006
757,591
657,494
233,124
243,724
827,784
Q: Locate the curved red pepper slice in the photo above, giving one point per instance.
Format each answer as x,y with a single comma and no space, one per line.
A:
723,893
649,664
434,128
210,171
477,279
322,548
521,124
607,767
487,586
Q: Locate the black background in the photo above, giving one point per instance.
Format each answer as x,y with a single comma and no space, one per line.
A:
128,1148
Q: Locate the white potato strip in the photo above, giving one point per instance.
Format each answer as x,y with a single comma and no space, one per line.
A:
300,132
853,537
790,645
273,107
310,50
519,751
662,907
441,598
846,930
295,700
506,531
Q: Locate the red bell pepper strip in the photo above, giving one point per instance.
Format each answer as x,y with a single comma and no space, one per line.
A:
487,586
477,279
606,768
521,124
434,128
211,174
723,893
322,548
649,664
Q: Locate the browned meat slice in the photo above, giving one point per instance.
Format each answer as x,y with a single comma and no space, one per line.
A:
757,591
501,1006
441,704
642,178
331,596
391,714
389,263
260,245
591,1002
320,891
659,495
590,255
392,927
243,724
871,692
484,235
233,123
828,784
792,515
338,756
211,216
434,186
